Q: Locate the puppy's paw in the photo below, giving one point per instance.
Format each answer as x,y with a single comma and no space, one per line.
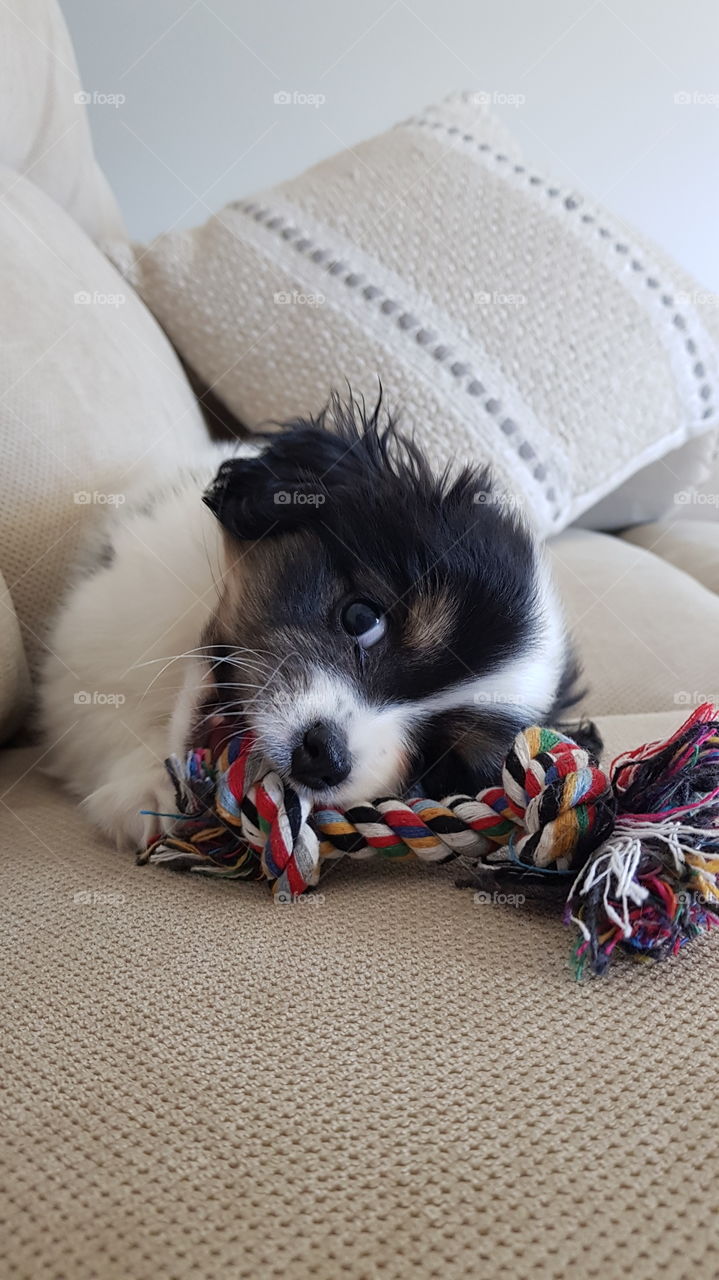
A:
134,806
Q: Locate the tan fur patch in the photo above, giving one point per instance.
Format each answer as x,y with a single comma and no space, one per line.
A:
430,622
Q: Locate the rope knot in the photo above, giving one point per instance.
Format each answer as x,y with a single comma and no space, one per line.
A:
645,839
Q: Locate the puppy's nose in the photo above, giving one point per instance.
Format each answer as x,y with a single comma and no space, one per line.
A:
322,758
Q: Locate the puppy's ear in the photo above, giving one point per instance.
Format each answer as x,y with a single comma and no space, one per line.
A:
283,488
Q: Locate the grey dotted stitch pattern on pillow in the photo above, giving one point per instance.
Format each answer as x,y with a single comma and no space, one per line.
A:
571,203
427,339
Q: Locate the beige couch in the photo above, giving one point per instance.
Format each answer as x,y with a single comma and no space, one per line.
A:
392,1081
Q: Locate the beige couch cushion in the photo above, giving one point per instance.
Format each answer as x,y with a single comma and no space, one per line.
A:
44,133
511,319
646,632
14,675
691,545
622,733
91,395
659,489
393,1082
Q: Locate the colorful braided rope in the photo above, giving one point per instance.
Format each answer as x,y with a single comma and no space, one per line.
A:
552,806
640,846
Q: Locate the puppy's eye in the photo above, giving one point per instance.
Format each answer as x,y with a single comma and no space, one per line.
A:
364,621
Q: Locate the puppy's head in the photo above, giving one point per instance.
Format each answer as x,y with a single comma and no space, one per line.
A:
379,626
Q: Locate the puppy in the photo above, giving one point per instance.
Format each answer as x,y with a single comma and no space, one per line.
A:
377,626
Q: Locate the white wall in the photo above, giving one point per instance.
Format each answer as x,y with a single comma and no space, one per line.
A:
200,125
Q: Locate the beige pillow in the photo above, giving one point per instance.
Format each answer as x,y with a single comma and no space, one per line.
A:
91,396
691,545
44,132
510,318
14,676
645,631
652,492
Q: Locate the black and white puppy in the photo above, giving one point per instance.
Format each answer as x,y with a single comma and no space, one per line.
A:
377,626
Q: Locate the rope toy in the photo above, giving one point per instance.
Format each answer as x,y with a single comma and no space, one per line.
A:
635,851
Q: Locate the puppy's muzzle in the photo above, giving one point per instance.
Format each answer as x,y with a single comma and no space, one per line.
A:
322,759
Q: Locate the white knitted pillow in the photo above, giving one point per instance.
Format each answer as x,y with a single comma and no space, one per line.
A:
91,398
511,319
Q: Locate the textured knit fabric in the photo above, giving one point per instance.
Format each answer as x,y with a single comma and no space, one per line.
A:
511,319
44,130
89,386
687,544
91,396
646,632
658,490
14,675
390,1081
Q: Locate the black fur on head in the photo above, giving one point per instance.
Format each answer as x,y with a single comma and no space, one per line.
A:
312,461
368,494
356,513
